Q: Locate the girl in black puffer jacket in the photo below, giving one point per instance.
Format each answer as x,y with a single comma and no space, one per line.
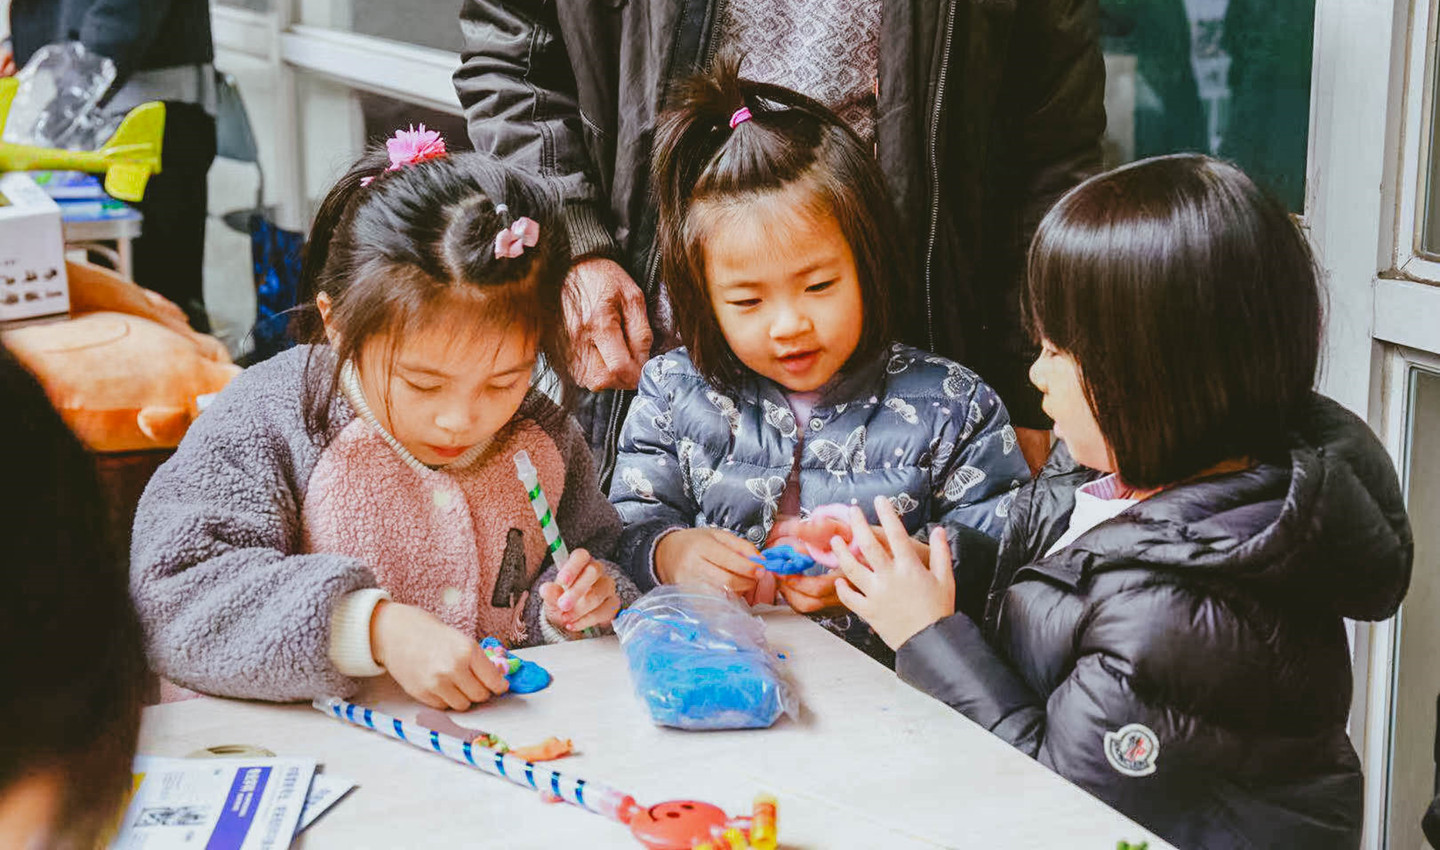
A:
1165,627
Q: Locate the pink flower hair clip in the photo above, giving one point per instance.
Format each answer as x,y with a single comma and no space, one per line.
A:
512,241
408,147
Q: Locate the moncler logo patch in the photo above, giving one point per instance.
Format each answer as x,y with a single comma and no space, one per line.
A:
1132,750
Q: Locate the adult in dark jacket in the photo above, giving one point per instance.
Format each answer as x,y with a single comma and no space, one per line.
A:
1170,636
162,51
983,114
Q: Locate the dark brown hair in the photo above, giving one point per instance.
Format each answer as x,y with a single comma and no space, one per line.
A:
1191,302
73,665
790,143
393,254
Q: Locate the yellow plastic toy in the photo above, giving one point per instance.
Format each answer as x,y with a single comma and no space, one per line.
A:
127,160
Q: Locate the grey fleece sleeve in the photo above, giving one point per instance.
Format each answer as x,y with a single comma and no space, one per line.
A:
586,519
229,606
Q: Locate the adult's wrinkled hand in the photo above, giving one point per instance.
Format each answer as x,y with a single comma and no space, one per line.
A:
609,331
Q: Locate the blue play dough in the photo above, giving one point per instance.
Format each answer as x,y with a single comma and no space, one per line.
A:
531,677
783,560
691,674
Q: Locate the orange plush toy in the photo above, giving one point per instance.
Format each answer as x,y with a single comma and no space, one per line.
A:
126,371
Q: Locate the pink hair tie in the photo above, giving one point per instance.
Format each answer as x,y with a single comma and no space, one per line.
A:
513,240
740,117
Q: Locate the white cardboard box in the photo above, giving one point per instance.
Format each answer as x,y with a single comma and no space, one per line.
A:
32,252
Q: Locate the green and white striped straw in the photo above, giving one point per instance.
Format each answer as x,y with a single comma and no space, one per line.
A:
531,481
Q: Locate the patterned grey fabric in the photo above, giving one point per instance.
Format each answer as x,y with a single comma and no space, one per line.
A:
827,49
921,430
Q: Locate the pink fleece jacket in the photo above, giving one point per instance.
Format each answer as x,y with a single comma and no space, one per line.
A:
461,543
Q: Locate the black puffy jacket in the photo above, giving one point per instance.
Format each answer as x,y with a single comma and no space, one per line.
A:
1186,661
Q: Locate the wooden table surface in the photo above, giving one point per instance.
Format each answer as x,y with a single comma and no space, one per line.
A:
870,763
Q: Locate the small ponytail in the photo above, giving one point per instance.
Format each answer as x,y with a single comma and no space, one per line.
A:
782,139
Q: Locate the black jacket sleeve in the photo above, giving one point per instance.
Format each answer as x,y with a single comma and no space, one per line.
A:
518,90
1070,730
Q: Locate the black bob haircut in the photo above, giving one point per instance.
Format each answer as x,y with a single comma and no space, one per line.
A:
1191,301
790,143
73,664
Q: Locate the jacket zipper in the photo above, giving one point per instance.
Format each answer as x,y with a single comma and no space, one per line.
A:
612,430
935,170
714,45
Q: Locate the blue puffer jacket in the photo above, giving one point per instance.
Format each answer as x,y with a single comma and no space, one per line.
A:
920,429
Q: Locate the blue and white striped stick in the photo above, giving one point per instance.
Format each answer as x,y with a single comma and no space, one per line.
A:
599,799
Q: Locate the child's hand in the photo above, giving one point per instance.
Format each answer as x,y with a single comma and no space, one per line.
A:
896,594
434,663
581,596
808,594
707,556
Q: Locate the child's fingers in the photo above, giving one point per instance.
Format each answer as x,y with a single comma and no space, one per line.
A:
817,531
487,673
601,616
805,603
798,601
580,586
739,585
737,544
764,589
817,586
583,605
741,568
573,567
430,699
870,547
895,533
851,599
468,683
859,575
450,697
940,565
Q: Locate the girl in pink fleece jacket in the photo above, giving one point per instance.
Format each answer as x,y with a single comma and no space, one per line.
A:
351,507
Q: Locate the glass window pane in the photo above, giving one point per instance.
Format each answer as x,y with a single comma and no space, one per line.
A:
428,23
1225,77
1412,755
252,5
1430,233
337,121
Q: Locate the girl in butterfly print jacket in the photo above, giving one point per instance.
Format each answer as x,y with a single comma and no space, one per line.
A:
780,247
920,430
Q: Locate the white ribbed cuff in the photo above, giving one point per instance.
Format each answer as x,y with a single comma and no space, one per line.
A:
350,650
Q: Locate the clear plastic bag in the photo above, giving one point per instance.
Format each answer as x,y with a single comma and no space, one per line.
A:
699,660
57,103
